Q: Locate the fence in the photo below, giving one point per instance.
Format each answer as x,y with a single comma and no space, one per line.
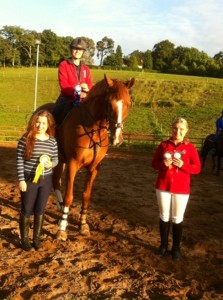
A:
10,134
152,140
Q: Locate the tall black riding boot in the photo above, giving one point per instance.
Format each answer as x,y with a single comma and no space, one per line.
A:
38,224
177,236
164,233
24,225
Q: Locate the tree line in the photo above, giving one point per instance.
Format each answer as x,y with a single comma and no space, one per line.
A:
18,47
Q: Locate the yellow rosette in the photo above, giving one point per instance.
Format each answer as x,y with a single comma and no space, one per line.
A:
40,168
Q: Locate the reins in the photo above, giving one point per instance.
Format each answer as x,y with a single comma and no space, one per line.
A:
90,134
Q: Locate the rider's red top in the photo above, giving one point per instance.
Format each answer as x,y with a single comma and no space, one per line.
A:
173,179
69,78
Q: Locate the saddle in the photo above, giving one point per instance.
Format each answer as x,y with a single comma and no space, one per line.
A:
63,107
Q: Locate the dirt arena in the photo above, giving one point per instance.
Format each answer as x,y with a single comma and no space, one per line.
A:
118,260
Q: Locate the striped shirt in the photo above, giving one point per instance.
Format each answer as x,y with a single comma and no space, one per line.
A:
27,168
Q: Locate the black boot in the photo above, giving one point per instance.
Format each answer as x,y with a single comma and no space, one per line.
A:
164,233
38,224
24,232
177,236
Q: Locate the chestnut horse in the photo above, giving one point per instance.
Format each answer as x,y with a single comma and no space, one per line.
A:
83,142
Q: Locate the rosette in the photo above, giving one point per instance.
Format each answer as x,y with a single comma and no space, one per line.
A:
40,168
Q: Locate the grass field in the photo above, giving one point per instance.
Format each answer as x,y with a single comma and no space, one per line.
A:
157,98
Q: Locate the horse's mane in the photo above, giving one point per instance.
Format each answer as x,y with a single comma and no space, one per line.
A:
98,89
101,88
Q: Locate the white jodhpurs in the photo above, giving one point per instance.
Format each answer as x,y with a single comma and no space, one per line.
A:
171,206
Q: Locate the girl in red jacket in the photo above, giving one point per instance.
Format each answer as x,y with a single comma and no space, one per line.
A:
175,159
74,79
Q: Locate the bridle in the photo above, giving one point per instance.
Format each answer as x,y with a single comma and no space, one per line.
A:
118,124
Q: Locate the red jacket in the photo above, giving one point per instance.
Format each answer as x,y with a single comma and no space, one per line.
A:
68,77
173,179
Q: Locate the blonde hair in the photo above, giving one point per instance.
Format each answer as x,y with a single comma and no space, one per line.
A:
181,121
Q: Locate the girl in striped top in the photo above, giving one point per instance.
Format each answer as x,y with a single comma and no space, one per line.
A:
37,155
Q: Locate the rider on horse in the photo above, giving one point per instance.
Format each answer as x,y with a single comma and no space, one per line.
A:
219,126
74,80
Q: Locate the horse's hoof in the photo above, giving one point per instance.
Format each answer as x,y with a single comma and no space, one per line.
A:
84,230
61,235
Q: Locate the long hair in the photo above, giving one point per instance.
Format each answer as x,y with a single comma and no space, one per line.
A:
32,130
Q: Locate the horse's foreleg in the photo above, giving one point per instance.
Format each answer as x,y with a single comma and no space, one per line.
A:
57,174
203,161
91,175
218,165
68,199
213,161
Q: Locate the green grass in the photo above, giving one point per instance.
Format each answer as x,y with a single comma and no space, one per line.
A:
157,98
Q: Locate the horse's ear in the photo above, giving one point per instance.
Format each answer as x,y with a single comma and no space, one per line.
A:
108,81
130,83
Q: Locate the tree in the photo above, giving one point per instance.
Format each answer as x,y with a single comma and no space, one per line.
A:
89,53
27,42
147,60
139,56
49,50
13,34
118,57
115,59
104,47
133,63
5,55
110,60
163,54
219,56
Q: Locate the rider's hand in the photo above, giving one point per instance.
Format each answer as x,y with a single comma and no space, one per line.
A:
84,88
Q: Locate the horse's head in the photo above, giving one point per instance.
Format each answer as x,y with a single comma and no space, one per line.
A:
118,104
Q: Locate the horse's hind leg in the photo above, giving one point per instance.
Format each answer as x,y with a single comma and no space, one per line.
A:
57,174
71,171
91,175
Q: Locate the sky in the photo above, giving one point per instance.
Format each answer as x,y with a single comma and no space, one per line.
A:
132,24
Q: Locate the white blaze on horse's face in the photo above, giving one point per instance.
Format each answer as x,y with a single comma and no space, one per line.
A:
118,131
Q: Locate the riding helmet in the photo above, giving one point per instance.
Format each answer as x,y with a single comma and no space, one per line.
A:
78,43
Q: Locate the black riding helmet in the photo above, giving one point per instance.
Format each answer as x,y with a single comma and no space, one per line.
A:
78,43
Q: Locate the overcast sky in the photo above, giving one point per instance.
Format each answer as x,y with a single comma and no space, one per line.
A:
132,24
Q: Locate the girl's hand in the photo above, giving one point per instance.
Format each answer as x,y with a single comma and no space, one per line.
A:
168,162
178,162
48,164
22,186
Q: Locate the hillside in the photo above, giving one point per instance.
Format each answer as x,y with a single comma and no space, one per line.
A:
157,98
199,101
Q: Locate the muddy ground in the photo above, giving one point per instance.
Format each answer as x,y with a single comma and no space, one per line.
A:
118,260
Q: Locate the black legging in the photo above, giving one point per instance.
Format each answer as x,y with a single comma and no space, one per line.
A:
34,200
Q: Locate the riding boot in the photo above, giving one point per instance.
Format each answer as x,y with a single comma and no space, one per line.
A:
164,233
38,224
177,236
24,226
